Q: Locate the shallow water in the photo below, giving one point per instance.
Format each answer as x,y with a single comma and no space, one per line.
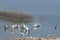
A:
47,27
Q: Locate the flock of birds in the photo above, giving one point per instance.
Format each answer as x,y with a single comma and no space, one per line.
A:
24,29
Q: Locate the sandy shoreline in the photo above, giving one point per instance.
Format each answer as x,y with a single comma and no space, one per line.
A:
36,38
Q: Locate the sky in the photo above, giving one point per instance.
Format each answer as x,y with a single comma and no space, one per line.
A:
32,6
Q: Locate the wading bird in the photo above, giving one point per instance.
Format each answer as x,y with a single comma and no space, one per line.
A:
6,28
14,28
37,26
24,30
55,27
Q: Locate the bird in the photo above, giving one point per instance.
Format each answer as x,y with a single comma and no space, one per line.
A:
37,26
48,36
56,27
14,28
6,28
24,30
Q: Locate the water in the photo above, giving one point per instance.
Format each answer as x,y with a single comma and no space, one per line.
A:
48,9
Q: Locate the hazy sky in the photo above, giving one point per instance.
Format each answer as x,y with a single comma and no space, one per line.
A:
32,6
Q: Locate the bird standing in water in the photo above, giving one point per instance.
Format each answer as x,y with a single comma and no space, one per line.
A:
14,28
36,26
55,27
24,30
5,28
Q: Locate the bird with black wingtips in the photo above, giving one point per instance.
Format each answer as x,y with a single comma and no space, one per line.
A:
24,30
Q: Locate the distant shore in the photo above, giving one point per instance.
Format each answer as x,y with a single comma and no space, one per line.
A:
15,17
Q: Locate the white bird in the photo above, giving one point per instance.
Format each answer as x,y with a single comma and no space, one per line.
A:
25,30
37,26
14,28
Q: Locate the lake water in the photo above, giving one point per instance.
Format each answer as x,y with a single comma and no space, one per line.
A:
49,10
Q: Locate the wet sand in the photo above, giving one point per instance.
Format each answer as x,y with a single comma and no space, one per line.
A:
36,38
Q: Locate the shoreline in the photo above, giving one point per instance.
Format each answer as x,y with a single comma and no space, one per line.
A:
36,38
15,17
